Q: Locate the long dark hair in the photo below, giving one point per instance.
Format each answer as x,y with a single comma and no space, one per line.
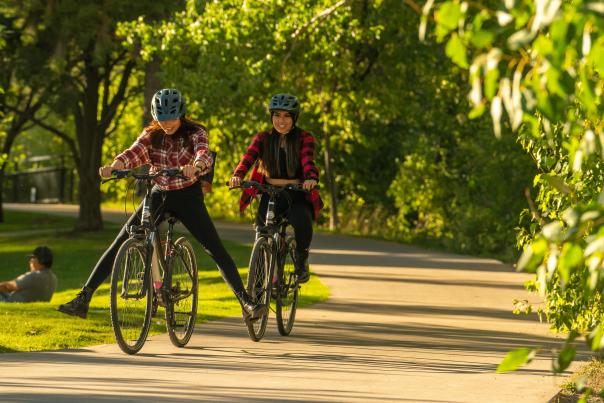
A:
269,156
186,129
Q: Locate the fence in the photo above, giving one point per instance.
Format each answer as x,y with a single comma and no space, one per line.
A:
49,184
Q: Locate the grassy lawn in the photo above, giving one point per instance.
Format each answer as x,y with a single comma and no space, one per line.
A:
38,326
22,221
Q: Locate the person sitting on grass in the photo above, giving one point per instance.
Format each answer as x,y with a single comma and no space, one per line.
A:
38,284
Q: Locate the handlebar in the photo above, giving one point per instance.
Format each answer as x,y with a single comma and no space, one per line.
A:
128,173
268,188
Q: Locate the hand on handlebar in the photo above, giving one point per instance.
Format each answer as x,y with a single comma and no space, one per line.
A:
234,182
189,171
309,184
106,171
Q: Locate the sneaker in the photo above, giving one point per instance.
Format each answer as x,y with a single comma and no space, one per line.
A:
79,305
251,310
301,263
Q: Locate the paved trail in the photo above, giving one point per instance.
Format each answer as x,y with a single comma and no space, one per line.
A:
402,324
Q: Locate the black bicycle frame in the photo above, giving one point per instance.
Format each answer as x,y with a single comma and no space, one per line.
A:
148,230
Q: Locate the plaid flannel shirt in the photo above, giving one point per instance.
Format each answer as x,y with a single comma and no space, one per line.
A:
309,169
172,154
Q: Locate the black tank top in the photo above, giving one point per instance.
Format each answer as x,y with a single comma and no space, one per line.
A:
282,174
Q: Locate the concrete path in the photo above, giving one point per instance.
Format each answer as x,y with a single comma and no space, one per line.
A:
402,324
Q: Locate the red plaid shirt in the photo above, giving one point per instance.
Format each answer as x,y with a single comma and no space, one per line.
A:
309,169
172,154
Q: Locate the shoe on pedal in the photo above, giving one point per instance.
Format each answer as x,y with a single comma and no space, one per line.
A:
79,305
301,263
251,310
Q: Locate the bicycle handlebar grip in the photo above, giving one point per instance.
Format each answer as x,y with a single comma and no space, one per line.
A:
172,171
120,173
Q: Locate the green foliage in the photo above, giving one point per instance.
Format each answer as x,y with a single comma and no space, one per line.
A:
549,81
515,359
370,88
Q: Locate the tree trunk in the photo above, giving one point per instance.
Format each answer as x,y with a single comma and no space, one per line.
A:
11,135
89,218
90,141
152,85
331,185
1,195
91,129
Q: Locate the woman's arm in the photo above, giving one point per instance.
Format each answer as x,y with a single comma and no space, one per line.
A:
201,148
250,156
137,154
307,158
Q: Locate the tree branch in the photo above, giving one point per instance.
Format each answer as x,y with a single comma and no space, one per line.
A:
532,208
107,114
414,6
300,31
323,14
63,136
117,119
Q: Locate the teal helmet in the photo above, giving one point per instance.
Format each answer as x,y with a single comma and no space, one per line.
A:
167,104
284,102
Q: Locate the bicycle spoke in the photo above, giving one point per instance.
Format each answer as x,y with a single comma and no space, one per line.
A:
130,299
182,286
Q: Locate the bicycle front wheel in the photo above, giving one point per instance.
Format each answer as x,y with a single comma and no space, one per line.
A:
131,296
181,285
258,286
287,290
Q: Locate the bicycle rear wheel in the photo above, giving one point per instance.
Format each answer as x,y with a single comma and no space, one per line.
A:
131,296
181,285
287,290
258,286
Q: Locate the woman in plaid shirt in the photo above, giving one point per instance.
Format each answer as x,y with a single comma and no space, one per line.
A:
284,155
171,140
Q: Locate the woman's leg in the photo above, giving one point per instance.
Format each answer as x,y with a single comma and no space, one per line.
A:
261,214
104,266
188,206
79,305
300,218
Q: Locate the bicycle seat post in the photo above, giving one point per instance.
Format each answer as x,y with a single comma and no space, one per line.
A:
270,211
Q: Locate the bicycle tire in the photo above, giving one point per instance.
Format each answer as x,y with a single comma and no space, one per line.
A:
287,289
258,286
181,283
131,298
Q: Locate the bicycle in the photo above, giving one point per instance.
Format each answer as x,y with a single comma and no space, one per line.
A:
148,273
272,249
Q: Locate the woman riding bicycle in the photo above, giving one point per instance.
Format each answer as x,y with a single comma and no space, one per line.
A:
171,140
285,155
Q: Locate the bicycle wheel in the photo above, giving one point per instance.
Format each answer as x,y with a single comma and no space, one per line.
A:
287,290
181,290
258,285
130,297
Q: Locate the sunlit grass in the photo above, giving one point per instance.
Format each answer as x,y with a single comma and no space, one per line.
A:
38,326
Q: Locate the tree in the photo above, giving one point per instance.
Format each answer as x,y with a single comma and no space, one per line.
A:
369,91
23,78
94,76
542,63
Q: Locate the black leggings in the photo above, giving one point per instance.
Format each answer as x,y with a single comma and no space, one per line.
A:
188,206
299,216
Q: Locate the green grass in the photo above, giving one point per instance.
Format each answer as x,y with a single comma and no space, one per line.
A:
38,326
22,221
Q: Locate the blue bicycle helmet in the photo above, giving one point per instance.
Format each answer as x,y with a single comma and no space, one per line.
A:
284,102
167,104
